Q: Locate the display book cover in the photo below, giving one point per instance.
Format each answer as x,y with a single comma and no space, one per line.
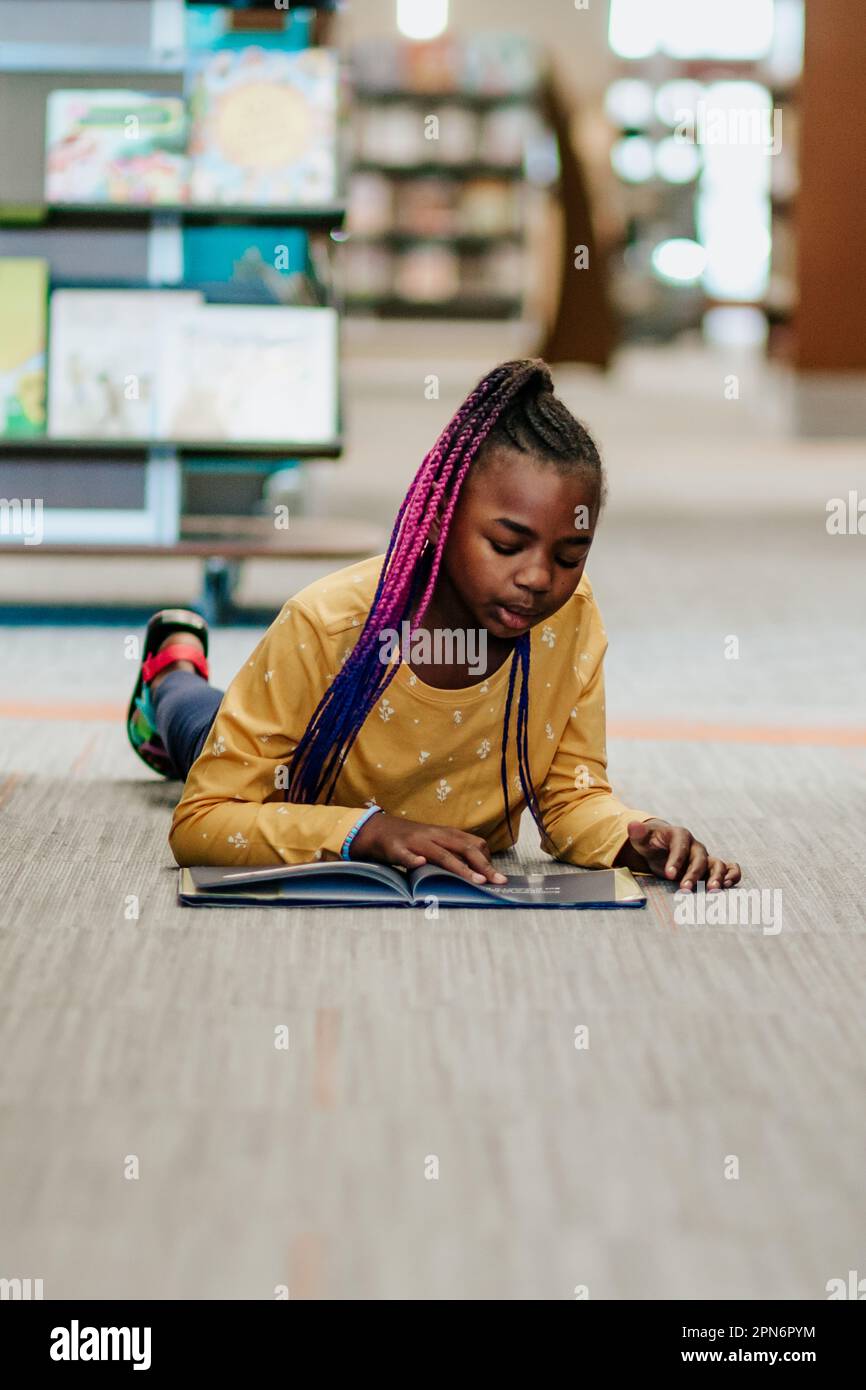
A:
111,145
263,126
162,364
365,884
23,321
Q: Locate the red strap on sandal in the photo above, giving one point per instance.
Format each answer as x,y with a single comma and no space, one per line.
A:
152,665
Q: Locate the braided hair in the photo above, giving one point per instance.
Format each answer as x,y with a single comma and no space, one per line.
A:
514,405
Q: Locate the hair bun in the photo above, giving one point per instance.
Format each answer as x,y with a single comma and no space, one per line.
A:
542,379
535,371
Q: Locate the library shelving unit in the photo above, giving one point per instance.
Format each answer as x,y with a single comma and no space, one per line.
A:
154,524
441,182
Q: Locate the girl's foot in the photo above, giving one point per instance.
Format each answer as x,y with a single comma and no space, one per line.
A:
189,640
176,640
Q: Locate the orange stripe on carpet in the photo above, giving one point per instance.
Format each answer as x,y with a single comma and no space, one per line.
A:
686,731
67,712
8,785
675,730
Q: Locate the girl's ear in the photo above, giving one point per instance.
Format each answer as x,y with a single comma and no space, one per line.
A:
436,526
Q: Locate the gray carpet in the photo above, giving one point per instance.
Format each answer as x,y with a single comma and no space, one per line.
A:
409,1038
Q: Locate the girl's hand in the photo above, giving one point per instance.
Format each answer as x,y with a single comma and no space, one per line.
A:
671,850
393,840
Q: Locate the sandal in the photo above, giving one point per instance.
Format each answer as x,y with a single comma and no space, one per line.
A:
140,716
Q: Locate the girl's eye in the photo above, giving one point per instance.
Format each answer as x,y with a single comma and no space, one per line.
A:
513,550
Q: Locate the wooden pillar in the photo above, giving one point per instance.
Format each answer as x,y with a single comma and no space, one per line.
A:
831,220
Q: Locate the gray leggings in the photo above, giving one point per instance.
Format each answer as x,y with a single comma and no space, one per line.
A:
185,707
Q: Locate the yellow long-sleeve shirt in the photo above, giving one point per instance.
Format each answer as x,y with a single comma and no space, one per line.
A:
427,754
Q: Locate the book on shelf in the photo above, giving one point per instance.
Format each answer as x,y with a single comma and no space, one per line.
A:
391,135
263,127
427,206
23,314
486,65
105,360
427,273
361,883
259,374
263,264
506,134
370,204
499,271
488,207
115,146
162,364
366,271
501,64
434,66
453,138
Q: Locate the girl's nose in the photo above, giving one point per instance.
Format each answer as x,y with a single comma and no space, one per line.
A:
537,577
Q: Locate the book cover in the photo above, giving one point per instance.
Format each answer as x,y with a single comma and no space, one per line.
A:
366,884
488,207
115,146
370,204
391,136
233,253
427,207
264,374
427,274
263,127
366,272
23,300
105,360
501,64
252,265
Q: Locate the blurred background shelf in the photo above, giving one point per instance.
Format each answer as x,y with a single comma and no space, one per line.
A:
441,170
222,544
461,241
66,214
464,307
37,444
480,101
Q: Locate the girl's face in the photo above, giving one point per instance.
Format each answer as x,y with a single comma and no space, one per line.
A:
518,542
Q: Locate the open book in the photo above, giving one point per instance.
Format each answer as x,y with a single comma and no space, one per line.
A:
365,884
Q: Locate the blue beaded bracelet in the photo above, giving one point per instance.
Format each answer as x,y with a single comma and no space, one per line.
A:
344,852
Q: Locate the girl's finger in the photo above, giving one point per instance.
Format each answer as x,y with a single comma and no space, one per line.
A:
715,875
438,854
408,858
696,868
732,875
471,848
460,843
477,859
678,850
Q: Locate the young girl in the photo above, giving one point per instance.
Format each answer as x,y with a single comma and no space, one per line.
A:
328,745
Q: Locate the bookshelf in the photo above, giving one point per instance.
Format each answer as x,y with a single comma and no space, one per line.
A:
158,522
443,169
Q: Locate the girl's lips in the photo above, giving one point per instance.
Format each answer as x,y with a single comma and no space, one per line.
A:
510,618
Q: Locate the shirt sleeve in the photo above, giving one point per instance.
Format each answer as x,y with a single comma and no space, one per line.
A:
233,809
586,823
